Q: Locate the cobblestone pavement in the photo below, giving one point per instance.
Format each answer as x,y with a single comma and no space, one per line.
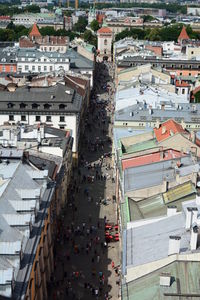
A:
85,267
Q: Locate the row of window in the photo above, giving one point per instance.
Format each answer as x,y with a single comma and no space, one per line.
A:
4,69
36,105
52,48
37,118
39,68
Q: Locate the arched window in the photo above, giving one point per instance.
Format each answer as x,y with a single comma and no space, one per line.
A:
105,42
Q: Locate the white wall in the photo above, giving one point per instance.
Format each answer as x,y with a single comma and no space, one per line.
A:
71,123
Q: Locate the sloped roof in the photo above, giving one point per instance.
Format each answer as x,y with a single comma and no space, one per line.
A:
151,158
183,35
181,83
104,30
34,31
167,129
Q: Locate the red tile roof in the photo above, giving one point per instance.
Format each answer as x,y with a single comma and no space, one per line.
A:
151,158
167,129
183,35
34,31
104,30
181,83
100,18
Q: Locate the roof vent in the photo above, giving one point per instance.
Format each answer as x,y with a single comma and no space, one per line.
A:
165,279
68,92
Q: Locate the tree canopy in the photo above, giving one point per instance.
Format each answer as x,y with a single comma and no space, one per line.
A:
167,33
80,25
94,25
90,38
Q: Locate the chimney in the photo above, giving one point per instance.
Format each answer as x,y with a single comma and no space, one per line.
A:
171,132
194,214
163,129
165,279
171,210
42,131
174,244
194,237
188,221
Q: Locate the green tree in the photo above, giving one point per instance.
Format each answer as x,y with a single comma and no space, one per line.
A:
90,38
33,8
148,18
47,30
94,25
80,25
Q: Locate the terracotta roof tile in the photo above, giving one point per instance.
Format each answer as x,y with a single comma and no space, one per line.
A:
183,35
167,129
34,31
151,158
104,30
181,83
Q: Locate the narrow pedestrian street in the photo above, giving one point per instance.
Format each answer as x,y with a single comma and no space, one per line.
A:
87,264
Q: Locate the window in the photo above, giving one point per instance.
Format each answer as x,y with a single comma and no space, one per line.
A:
11,69
33,68
22,105
45,68
105,51
35,106
10,105
62,119
192,52
50,68
189,74
183,91
26,67
62,127
3,69
181,73
11,118
105,42
39,68
61,106
37,118
23,118
48,118
47,106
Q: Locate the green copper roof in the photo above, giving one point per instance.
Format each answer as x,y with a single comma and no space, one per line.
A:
140,146
184,280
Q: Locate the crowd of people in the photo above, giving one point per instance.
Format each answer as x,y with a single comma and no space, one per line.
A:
81,252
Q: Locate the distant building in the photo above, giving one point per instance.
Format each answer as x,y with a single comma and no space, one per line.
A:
105,37
183,35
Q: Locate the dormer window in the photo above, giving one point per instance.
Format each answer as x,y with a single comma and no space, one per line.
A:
22,105
62,106
3,59
10,105
47,106
35,105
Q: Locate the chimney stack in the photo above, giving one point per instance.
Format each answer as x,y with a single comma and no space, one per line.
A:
174,244
194,237
194,214
188,221
171,210
163,129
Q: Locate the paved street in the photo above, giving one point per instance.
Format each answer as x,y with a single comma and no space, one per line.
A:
86,267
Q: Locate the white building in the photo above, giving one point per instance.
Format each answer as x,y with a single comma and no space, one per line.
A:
34,61
58,106
105,37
